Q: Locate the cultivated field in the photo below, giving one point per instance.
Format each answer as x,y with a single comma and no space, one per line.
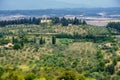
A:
101,21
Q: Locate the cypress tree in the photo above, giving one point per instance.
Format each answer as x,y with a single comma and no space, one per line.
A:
13,40
84,22
41,41
53,40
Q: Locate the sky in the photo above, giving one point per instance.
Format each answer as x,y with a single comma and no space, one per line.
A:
53,4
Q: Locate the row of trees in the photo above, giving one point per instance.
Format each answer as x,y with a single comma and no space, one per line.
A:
20,21
19,43
37,21
78,37
114,25
65,21
42,40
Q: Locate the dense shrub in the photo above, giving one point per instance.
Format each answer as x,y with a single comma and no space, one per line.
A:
4,41
1,71
30,76
67,75
114,61
17,46
118,72
110,69
16,76
114,25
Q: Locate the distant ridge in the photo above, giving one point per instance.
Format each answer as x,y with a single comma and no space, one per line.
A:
62,12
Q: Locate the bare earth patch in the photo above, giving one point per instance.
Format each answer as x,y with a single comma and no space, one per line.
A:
101,21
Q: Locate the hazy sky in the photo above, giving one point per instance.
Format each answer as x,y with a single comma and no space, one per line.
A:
45,4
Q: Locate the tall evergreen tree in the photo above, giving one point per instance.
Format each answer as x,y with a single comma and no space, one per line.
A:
84,22
64,22
75,21
41,41
53,40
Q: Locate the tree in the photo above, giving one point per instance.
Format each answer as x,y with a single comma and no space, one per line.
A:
1,35
110,69
101,66
118,72
13,40
16,76
55,20
17,46
21,34
30,76
99,55
114,25
64,22
1,71
75,21
5,41
114,61
67,75
42,40
84,22
53,40
22,43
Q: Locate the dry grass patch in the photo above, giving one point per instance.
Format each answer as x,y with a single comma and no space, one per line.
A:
83,47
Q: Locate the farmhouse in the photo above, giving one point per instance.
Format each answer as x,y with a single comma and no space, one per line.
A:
46,21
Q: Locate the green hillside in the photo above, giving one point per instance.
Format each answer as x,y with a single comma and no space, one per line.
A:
75,52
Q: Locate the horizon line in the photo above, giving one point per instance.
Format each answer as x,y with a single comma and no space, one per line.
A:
57,8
